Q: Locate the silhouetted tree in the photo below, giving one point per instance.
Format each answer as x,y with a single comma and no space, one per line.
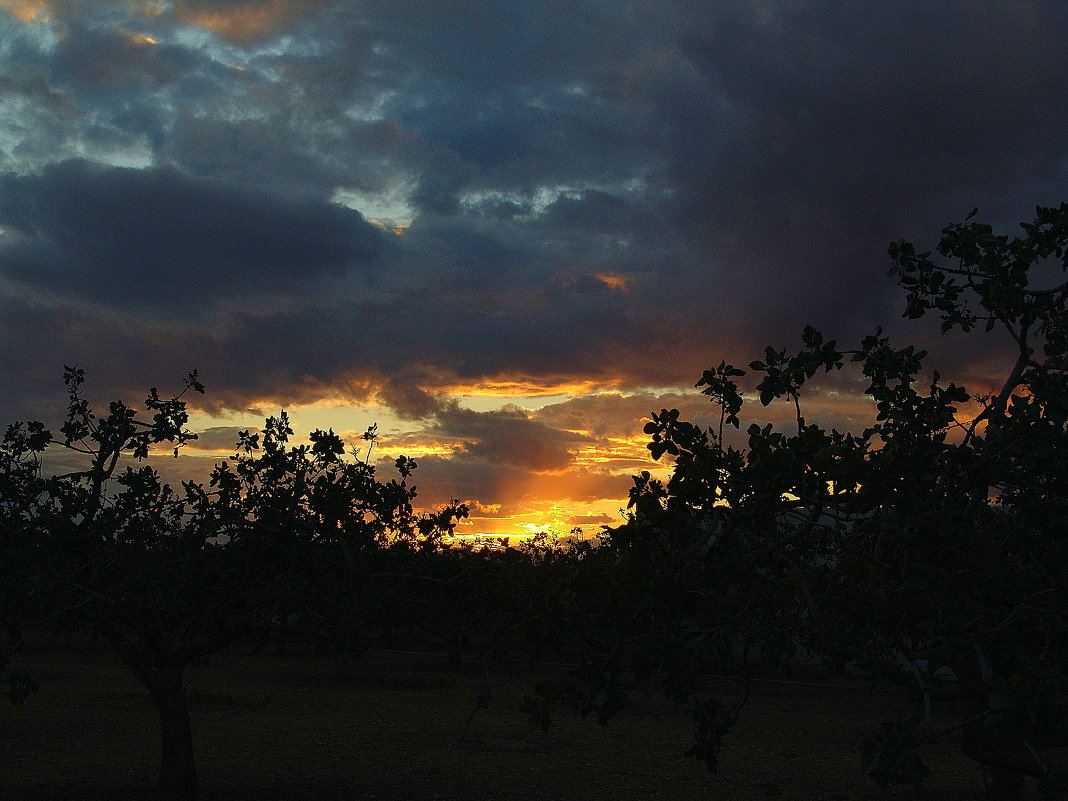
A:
24,589
930,547
167,577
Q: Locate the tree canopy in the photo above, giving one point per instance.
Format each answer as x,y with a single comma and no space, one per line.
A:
930,546
168,576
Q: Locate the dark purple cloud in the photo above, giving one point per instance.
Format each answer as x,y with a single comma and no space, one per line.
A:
621,194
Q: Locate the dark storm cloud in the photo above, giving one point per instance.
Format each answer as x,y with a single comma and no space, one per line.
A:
622,193
115,61
882,103
224,149
407,399
842,129
126,237
122,358
440,480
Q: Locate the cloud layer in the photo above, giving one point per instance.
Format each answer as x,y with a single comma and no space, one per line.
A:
402,203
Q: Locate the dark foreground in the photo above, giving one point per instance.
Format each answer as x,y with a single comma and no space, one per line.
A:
388,728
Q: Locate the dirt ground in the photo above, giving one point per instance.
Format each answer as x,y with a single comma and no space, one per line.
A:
388,727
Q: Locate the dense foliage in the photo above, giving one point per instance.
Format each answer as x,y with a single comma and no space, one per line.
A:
283,538
930,547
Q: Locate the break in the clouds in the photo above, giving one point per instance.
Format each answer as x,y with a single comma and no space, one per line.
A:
421,207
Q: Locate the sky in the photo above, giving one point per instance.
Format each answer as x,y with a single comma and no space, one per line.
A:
503,231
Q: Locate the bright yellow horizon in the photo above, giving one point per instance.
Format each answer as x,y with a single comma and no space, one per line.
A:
526,458
584,487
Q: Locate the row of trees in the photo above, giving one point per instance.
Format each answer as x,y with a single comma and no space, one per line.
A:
929,548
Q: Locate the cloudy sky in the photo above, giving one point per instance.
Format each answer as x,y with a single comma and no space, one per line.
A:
505,231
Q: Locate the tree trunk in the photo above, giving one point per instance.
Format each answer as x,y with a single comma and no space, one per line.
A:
161,672
177,769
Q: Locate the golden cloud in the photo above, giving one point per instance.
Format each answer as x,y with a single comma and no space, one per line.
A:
528,387
613,280
251,19
27,11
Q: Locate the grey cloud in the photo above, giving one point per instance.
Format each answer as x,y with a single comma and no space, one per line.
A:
877,117
229,150
440,479
614,414
216,438
126,237
110,60
741,165
30,82
122,359
258,362
407,399
597,211
508,436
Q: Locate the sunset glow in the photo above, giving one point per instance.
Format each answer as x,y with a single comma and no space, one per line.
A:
504,233
612,281
517,388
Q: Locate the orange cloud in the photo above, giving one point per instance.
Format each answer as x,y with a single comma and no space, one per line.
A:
613,280
140,38
528,387
245,20
616,454
27,11
414,450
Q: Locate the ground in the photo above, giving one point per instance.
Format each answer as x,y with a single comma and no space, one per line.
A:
388,727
